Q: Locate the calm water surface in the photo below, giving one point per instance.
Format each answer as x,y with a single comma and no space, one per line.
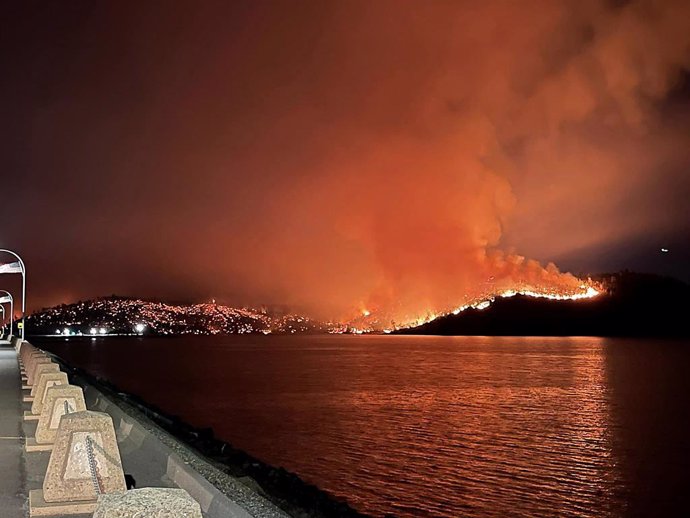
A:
434,426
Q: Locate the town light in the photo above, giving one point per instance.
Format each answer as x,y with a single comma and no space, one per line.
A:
93,331
66,331
102,331
17,267
139,328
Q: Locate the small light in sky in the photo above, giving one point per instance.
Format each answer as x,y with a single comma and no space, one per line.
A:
664,250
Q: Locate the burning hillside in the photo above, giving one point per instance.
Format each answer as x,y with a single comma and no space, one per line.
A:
552,285
625,304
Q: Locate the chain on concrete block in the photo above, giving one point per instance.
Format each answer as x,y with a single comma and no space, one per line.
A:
92,465
105,455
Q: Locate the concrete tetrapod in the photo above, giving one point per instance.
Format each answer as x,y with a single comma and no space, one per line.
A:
60,400
85,463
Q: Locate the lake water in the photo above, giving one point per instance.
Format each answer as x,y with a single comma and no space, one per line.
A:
434,426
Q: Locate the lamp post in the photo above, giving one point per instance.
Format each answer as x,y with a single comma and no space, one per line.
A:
10,299
23,272
3,322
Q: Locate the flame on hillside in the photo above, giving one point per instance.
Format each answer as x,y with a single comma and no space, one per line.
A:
371,321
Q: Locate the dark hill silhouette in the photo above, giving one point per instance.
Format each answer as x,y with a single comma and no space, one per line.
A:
634,305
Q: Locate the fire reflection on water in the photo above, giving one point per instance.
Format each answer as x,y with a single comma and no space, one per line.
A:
411,425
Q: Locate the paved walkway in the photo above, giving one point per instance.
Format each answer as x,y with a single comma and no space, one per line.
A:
13,496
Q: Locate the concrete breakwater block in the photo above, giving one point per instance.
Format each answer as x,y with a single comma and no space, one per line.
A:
42,368
31,371
39,507
46,382
60,400
29,355
32,446
151,501
25,353
24,356
85,463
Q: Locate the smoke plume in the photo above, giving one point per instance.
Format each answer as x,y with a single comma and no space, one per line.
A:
542,118
393,156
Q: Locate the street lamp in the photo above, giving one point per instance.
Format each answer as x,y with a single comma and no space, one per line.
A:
17,268
10,299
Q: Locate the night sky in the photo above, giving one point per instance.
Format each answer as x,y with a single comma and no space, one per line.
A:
340,155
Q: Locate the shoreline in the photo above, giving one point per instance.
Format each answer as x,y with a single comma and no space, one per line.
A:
282,488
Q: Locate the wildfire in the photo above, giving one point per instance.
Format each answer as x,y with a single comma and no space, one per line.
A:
369,322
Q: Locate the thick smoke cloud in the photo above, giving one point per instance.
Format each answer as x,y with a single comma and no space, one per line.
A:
557,99
394,156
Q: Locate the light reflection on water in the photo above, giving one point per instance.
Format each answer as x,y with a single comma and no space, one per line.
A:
432,426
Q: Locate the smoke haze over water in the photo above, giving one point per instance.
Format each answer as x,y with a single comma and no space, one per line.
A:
337,156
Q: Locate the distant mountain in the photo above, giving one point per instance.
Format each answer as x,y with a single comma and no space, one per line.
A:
634,305
121,315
